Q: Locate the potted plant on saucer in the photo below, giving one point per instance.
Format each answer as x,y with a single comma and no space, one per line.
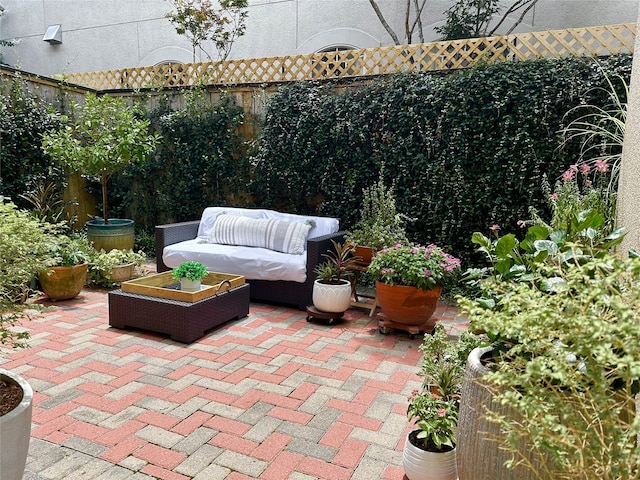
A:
429,450
331,290
409,281
190,275
105,136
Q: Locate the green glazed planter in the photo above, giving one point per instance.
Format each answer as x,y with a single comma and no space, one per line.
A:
118,234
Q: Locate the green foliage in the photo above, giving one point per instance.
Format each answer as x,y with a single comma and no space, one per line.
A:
414,266
574,369
101,263
190,270
104,137
199,162
466,150
337,264
468,19
23,253
198,20
380,225
67,251
435,405
23,165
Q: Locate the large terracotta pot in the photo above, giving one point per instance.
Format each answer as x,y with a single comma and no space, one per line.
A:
408,305
62,283
480,456
15,431
419,464
118,233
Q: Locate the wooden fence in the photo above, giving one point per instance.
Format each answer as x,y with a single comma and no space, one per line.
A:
432,57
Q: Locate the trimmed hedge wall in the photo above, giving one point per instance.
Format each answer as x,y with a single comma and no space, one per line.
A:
467,150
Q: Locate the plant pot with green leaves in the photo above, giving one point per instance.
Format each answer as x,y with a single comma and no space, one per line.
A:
409,281
67,268
332,290
23,252
104,136
560,308
380,224
115,266
190,275
429,450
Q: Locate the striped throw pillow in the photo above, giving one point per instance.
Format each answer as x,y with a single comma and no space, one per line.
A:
278,235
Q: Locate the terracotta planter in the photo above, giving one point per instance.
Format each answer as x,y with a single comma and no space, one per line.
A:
15,431
332,298
422,465
366,253
408,305
62,283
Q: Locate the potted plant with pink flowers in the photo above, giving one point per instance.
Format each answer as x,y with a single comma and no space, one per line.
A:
409,281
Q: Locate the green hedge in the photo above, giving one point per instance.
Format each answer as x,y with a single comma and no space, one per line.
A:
467,150
200,162
24,167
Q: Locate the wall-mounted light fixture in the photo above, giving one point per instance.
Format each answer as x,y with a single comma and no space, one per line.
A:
53,35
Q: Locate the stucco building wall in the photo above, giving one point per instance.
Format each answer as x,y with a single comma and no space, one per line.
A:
111,34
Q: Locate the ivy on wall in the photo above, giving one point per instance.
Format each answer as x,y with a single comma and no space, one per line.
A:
467,150
199,162
24,167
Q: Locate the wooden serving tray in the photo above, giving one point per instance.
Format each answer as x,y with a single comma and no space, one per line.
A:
159,286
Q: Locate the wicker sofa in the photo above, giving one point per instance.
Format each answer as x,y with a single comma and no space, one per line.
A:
185,241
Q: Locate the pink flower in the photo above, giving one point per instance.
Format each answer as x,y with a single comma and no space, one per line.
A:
521,223
442,412
495,227
554,197
568,175
427,272
602,166
585,169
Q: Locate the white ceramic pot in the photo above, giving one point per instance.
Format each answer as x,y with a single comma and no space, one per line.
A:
422,465
332,298
190,285
15,431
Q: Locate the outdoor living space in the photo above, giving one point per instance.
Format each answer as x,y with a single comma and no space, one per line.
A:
269,396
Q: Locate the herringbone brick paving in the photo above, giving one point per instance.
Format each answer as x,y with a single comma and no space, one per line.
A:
270,396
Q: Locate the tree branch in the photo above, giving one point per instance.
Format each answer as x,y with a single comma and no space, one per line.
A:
386,26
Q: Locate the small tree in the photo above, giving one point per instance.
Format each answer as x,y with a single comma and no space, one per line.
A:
474,18
198,20
105,136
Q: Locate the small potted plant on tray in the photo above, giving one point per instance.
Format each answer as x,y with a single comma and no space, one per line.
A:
190,275
332,291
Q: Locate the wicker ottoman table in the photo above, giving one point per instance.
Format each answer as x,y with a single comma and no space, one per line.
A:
183,321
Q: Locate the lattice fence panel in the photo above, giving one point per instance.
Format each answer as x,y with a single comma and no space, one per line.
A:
433,56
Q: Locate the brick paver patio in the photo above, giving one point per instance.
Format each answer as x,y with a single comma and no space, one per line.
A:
270,396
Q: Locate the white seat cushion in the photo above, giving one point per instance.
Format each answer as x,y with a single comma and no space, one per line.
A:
252,262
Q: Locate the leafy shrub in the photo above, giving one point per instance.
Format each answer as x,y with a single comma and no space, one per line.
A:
23,253
466,151
23,165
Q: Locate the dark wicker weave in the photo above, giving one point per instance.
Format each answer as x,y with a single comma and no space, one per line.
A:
183,321
284,292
